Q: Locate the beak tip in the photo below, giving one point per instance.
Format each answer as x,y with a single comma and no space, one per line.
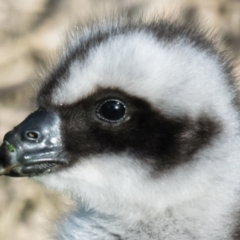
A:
5,159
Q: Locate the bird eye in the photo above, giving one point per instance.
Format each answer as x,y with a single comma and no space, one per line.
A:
111,110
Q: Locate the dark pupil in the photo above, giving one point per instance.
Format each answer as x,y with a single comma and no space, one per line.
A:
112,110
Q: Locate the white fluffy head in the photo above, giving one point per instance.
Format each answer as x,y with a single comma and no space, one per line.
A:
178,77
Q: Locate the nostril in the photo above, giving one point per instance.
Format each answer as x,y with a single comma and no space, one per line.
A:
32,135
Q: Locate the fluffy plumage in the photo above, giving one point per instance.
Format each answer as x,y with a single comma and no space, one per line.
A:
168,170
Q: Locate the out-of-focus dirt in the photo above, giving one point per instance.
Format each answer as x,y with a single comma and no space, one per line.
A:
31,31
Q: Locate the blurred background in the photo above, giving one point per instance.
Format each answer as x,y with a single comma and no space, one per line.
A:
31,32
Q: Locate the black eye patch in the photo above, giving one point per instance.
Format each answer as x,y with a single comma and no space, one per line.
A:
111,110
144,131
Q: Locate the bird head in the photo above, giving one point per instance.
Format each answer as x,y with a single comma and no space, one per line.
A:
126,104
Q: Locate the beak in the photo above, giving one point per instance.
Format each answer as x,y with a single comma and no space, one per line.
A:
33,147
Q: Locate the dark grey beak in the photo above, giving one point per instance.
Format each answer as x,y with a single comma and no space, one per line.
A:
33,147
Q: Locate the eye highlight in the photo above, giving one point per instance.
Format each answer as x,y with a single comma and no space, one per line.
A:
111,110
